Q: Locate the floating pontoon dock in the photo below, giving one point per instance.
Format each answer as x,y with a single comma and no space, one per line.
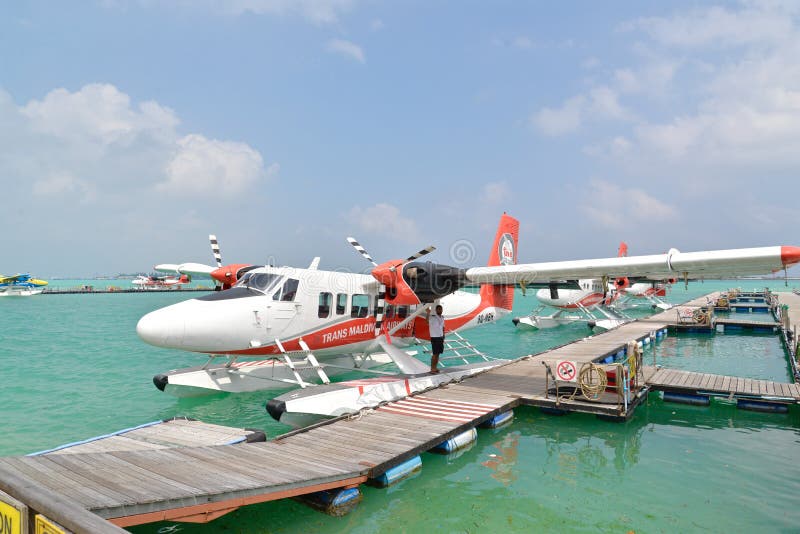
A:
152,474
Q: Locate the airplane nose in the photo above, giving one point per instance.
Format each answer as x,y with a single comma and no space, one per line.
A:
162,328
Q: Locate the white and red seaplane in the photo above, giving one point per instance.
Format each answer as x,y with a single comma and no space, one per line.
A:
154,282
224,275
303,322
587,300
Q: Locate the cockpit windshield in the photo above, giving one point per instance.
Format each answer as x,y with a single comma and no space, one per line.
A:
263,282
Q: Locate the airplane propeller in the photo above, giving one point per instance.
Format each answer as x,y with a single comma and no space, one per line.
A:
386,274
218,257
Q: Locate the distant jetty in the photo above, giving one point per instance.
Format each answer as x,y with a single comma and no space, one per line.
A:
90,289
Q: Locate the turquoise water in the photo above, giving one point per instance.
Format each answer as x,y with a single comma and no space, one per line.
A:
74,368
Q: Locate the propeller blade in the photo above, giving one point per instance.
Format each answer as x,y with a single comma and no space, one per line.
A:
361,250
426,250
379,308
215,249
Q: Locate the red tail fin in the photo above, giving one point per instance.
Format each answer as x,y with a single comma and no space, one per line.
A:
504,252
622,283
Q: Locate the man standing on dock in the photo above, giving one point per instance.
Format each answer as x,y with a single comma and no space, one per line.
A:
436,328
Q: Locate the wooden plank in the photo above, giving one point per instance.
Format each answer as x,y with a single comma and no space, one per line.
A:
708,379
390,420
269,476
363,440
726,383
359,452
180,467
41,470
146,477
91,467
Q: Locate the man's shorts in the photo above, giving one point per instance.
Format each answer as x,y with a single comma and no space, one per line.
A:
437,345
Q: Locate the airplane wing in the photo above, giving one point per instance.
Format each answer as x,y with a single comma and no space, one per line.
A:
673,264
194,269
8,279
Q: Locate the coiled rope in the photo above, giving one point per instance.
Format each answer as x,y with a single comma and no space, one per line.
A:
592,380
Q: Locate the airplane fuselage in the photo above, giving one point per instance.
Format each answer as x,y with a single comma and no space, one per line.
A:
591,293
274,307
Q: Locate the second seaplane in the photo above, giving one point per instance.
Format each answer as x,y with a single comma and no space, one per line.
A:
285,325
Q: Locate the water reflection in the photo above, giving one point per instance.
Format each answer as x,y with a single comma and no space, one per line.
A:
503,464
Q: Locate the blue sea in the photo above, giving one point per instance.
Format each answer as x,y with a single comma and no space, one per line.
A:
73,367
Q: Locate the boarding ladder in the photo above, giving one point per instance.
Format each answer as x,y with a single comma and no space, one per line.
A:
309,357
459,348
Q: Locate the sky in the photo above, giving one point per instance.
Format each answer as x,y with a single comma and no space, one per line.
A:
132,129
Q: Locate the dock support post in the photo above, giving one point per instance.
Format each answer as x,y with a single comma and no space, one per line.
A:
458,442
397,473
498,420
686,398
336,502
761,406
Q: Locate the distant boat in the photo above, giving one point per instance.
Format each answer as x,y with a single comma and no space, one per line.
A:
20,285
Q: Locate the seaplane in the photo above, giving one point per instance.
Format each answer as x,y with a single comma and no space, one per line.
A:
587,300
224,276
302,323
296,320
20,285
154,282
652,291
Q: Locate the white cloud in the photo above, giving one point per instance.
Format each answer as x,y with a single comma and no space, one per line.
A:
523,42
599,103
719,27
560,121
210,167
97,113
496,192
605,104
317,11
748,110
614,207
376,25
95,143
63,183
384,220
346,49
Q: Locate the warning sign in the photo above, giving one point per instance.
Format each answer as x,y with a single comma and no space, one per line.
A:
13,515
566,370
46,526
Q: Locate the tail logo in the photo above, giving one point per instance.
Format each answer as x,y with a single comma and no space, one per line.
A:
506,250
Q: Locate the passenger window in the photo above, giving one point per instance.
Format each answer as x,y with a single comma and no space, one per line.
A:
325,300
389,311
359,306
402,312
341,303
288,291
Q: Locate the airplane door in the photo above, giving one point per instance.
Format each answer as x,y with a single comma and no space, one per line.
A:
283,309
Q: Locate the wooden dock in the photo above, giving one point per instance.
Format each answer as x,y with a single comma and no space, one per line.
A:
184,479
727,386
789,314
